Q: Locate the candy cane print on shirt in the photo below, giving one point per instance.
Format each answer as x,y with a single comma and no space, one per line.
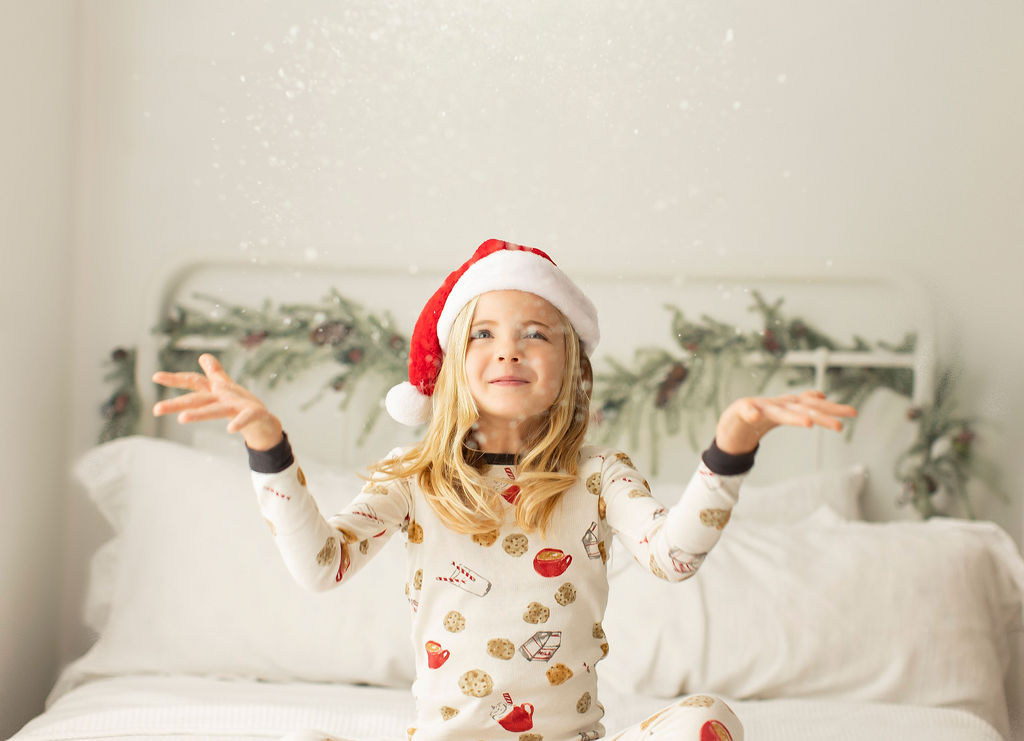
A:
366,512
685,563
465,578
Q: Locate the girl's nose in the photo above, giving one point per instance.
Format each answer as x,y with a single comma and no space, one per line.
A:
510,352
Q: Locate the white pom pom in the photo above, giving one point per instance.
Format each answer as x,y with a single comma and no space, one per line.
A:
407,405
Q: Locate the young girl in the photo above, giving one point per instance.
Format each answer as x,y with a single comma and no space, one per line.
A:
507,516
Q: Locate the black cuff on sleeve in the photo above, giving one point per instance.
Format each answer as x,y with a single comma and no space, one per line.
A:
274,460
727,464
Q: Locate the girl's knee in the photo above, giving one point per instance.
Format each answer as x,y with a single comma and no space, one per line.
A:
696,718
716,720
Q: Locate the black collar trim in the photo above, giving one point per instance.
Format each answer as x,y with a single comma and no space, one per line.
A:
500,459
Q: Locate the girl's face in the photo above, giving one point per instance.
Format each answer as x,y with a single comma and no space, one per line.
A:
515,361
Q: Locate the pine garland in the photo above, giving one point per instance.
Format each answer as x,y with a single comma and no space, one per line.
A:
661,387
649,397
282,342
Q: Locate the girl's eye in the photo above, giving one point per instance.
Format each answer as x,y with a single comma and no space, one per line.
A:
480,334
535,334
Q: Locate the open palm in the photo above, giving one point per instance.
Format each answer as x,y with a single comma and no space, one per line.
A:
747,420
214,395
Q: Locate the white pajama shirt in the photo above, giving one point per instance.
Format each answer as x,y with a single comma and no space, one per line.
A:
506,626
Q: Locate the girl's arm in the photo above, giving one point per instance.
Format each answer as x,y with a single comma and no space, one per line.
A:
319,552
673,543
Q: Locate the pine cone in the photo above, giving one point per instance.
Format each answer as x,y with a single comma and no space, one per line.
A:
770,343
670,385
254,339
330,333
115,407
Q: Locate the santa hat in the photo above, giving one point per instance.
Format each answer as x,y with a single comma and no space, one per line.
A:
495,266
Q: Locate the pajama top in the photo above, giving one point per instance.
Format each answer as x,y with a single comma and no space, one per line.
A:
506,626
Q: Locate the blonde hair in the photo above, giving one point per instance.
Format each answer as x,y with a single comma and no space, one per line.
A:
450,473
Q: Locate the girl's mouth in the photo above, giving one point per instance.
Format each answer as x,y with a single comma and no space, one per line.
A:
509,381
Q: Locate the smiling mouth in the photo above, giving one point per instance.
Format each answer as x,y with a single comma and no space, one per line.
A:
509,381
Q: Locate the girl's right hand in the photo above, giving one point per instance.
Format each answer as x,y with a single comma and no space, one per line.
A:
216,396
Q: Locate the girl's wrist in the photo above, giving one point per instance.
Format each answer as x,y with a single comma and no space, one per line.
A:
735,439
263,435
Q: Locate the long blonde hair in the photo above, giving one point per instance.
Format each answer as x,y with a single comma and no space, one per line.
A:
449,472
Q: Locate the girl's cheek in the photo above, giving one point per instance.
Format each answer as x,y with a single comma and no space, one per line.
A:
553,387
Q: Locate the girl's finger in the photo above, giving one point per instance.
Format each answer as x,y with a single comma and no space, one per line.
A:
186,401
210,411
246,416
212,367
191,381
836,409
750,411
786,414
820,418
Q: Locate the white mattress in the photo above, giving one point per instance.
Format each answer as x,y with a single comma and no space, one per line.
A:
181,707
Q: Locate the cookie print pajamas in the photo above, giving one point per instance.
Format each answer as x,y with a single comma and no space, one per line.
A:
507,625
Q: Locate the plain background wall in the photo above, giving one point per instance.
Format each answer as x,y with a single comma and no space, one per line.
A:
37,47
641,135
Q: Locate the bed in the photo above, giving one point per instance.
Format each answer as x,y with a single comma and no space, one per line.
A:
826,611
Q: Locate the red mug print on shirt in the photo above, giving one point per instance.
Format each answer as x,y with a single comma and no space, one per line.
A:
551,562
519,718
436,656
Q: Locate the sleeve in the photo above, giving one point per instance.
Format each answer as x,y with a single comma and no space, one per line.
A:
321,552
672,543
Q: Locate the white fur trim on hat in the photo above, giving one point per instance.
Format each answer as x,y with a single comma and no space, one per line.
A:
407,405
520,270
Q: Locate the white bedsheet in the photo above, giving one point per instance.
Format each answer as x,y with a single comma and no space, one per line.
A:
183,707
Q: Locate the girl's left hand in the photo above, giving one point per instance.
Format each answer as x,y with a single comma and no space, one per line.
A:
745,421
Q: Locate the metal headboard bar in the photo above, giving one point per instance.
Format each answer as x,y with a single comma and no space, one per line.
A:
822,359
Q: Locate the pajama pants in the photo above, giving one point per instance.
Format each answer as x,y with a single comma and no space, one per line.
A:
694,718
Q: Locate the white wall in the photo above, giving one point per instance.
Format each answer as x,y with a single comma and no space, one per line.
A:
36,54
643,134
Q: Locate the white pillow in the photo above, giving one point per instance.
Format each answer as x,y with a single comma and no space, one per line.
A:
192,582
908,612
792,499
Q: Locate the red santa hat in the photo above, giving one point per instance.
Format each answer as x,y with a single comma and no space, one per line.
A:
495,266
